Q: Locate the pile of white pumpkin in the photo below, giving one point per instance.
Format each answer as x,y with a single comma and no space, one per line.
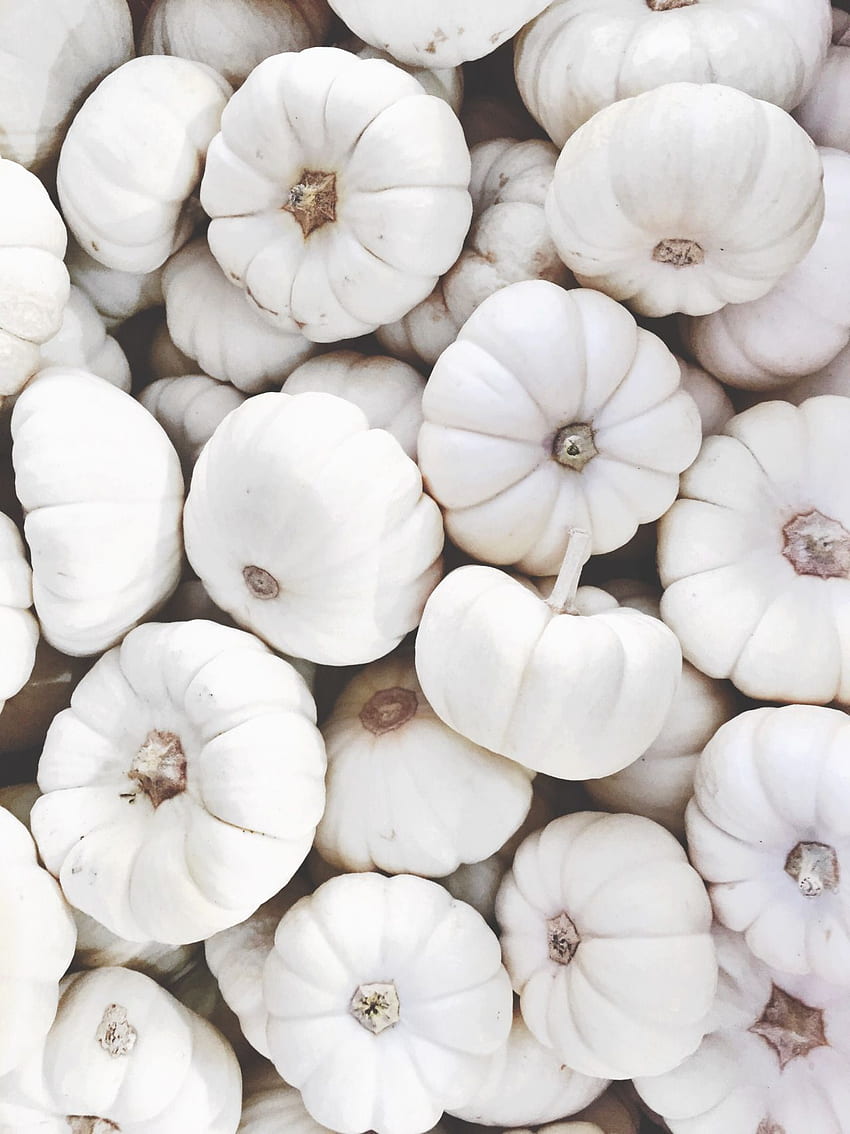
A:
354,807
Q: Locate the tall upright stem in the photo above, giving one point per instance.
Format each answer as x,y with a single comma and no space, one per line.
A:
563,594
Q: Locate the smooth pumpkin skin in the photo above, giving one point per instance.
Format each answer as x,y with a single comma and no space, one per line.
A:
444,82
606,1115
823,113
82,342
19,631
580,56
641,210
189,407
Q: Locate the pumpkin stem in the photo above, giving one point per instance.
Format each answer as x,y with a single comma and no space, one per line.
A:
115,1034
817,545
159,767
789,1026
563,938
312,201
90,1124
814,867
375,1006
678,253
563,593
668,5
260,583
573,446
388,709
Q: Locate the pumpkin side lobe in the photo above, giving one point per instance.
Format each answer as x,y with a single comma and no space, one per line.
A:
815,544
260,582
115,1034
678,253
814,867
312,200
376,1006
668,5
90,1124
790,1027
159,767
573,445
389,709
563,938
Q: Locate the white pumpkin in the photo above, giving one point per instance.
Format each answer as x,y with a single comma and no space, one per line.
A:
444,82
339,549
572,685
834,378
237,956
36,945
767,829
509,241
606,1115
582,55
755,555
323,210
386,998
776,1057
660,783
233,36
714,404
388,390
116,295
54,52
167,775
605,934
553,409
659,200
133,156
802,322
124,1055
528,1084
823,113
189,408
34,284
437,33
406,794
82,342
101,488
18,626
211,321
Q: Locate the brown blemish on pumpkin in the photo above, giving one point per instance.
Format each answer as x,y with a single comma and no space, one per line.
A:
115,1034
260,583
573,445
817,545
90,1124
388,709
768,1127
668,5
562,938
790,1027
159,767
678,253
814,867
312,201
376,1006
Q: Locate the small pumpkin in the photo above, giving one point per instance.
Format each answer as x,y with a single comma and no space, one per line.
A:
18,626
116,295
168,773
386,998
82,342
444,82
714,404
322,210
658,200
189,408
133,156
605,933
823,112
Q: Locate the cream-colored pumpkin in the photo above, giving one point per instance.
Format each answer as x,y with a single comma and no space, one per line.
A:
437,33
755,555
323,209
660,783
339,548
823,113
237,957
211,321
82,342
572,685
605,934
776,1057
528,1084
444,82
233,36
133,157
124,1055
582,55
834,378
189,408
508,242
116,295
386,998
768,830
551,409
388,390
102,491
36,945
188,763
406,793
714,404
18,626
54,52
659,200
34,284
802,322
